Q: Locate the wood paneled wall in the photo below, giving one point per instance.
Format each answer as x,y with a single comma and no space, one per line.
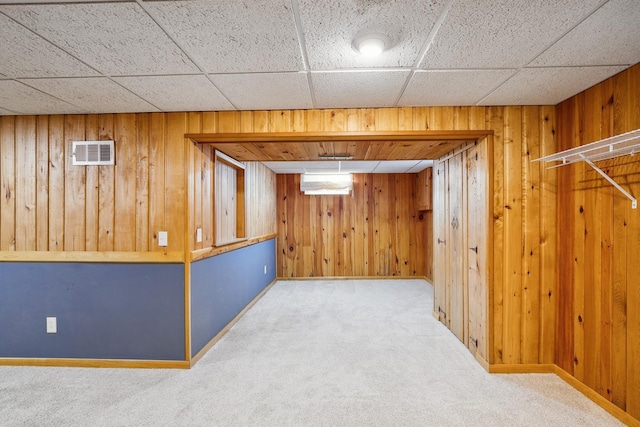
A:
523,292
462,245
260,202
378,231
260,183
145,191
599,286
525,235
50,205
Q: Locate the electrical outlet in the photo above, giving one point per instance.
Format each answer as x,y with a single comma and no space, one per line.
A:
52,325
163,238
198,235
265,269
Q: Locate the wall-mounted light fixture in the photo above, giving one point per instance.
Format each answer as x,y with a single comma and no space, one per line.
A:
371,44
326,183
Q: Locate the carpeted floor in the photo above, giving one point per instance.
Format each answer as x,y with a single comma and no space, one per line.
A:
309,353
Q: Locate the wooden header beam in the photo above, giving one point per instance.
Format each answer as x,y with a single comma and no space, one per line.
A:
427,135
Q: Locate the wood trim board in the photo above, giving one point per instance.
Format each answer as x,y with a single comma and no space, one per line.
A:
93,256
96,363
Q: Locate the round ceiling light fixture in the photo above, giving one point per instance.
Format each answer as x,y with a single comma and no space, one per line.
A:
371,44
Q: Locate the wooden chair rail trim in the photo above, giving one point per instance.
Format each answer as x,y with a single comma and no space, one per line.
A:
91,256
217,250
231,242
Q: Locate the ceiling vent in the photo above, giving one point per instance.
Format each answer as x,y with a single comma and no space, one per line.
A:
93,153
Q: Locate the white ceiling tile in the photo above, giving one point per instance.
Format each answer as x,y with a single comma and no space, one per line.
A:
321,165
93,94
396,166
548,86
177,93
330,26
608,37
359,166
263,91
115,38
4,112
32,56
234,35
420,166
15,96
350,166
353,89
303,167
451,87
292,169
502,33
285,167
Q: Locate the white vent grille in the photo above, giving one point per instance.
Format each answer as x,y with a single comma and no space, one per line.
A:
93,153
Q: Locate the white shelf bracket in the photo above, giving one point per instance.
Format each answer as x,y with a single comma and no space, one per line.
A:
609,148
634,202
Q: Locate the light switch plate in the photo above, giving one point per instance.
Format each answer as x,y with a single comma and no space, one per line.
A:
198,235
52,325
163,238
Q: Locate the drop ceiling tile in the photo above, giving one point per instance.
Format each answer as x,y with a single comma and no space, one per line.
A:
92,94
285,167
320,166
395,166
608,37
265,91
502,34
15,96
31,56
420,166
114,38
303,167
350,166
234,35
4,112
451,87
359,166
353,89
177,93
548,86
329,28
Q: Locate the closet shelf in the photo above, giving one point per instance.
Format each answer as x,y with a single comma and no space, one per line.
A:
608,148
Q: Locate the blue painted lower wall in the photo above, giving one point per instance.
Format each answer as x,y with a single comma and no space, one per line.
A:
221,286
104,311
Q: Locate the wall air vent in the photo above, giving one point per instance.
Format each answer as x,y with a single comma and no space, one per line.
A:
93,153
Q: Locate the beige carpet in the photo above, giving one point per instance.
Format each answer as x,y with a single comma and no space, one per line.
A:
310,353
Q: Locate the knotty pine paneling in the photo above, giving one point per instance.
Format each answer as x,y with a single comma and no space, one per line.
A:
461,241
517,321
376,232
599,234
50,205
259,198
